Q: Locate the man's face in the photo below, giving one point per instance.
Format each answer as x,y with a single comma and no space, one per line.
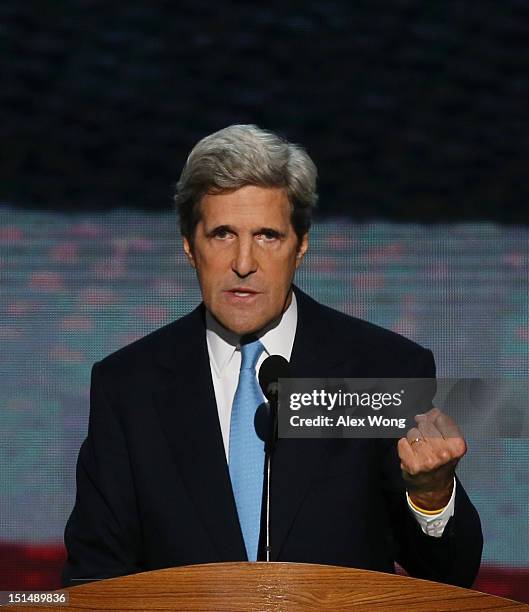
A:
245,252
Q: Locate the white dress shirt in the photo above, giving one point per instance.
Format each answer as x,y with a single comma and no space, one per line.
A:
277,339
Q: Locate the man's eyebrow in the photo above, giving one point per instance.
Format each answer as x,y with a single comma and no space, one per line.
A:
261,230
219,228
270,230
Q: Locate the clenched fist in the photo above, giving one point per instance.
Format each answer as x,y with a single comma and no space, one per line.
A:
428,457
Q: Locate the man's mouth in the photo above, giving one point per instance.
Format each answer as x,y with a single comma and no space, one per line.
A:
242,292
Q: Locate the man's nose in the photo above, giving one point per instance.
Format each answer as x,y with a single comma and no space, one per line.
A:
244,260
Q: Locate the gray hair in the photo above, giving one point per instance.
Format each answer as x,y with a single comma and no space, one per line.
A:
240,155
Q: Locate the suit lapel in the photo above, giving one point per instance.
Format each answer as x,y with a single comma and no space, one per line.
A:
189,416
297,462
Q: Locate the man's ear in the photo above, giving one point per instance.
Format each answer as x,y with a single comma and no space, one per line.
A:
188,250
302,248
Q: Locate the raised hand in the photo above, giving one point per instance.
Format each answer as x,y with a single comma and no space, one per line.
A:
428,457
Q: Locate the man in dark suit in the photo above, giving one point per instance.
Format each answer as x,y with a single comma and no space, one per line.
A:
168,473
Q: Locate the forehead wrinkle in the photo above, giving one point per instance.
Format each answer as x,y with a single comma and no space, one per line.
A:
242,211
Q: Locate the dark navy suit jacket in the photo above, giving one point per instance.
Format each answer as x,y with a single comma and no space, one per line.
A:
153,487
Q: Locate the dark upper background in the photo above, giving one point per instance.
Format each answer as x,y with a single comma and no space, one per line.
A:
412,109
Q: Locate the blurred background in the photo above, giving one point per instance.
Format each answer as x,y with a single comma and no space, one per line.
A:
415,112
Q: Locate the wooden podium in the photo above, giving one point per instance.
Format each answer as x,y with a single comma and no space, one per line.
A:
273,586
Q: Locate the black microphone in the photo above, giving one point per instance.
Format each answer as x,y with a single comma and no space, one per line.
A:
272,369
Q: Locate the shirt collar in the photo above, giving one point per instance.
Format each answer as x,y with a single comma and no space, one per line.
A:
277,338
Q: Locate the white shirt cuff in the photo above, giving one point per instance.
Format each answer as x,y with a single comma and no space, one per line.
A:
434,524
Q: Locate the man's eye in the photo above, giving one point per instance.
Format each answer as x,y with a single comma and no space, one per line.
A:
267,236
222,234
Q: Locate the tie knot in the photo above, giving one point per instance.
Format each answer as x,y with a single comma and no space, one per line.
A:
250,354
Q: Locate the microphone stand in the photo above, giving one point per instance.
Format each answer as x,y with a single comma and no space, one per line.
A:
269,447
268,548
272,369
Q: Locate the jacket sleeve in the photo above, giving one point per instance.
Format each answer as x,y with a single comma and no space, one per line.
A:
102,535
453,558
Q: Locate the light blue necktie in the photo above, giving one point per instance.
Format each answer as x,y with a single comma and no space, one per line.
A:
246,454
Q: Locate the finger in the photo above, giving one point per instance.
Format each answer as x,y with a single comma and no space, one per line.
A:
443,422
413,436
440,451
447,426
435,424
453,444
426,423
428,429
431,415
418,449
429,447
408,459
418,458
451,434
